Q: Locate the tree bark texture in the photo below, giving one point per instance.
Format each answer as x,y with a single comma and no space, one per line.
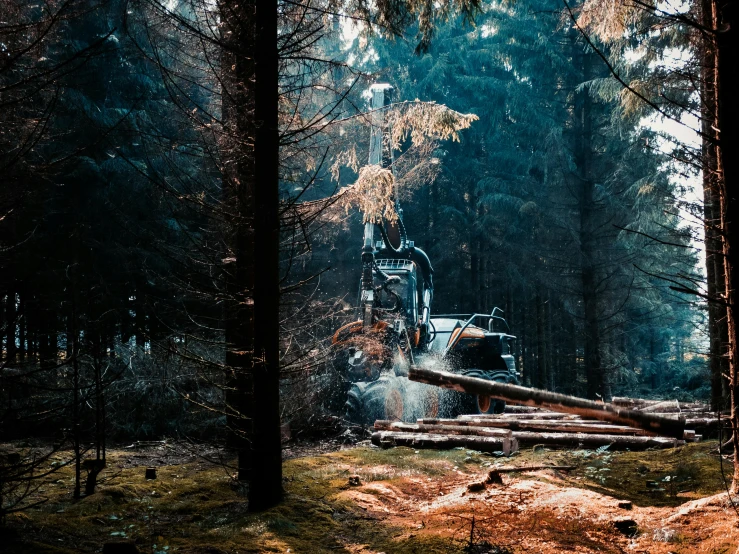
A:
388,439
542,377
583,158
265,488
587,440
250,65
538,425
727,48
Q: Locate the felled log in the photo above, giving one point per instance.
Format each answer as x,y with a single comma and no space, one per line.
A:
703,411
702,422
388,439
514,409
551,426
511,417
587,440
386,425
665,406
630,402
673,406
658,406
554,426
534,397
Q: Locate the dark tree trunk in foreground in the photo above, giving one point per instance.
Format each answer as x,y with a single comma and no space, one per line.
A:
727,41
265,485
250,107
238,183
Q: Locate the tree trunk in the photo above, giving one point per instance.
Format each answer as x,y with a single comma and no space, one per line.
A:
21,327
587,440
551,357
445,428
542,379
265,488
556,426
76,424
711,220
387,439
529,372
10,323
250,66
727,42
586,200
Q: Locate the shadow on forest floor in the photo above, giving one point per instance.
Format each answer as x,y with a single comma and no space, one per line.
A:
397,501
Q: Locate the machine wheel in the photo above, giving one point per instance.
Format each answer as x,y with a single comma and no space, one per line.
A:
431,403
476,404
354,406
379,399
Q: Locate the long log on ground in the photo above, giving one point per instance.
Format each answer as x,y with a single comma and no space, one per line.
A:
554,426
385,425
534,425
513,417
672,406
694,422
558,402
388,439
514,409
492,421
642,404
666,406
627,402
586,440
689,412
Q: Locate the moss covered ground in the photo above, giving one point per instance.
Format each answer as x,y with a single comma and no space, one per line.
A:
195,507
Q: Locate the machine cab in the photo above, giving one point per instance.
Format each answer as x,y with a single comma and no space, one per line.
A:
398,294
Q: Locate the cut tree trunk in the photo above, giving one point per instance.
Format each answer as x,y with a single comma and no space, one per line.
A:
512,409
671,427
511,417
385,425
595,441
388,439
642,404
661,407
548,426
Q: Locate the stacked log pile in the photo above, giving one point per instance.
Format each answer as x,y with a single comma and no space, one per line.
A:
547,418
505,432
698,415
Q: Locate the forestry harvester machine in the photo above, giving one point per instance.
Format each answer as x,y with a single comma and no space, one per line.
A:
395,328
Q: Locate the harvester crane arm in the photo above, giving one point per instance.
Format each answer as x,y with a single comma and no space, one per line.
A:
394,243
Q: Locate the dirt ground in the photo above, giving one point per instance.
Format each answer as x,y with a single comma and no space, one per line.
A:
365,500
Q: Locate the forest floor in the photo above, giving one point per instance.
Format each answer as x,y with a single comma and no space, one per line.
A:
404,501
